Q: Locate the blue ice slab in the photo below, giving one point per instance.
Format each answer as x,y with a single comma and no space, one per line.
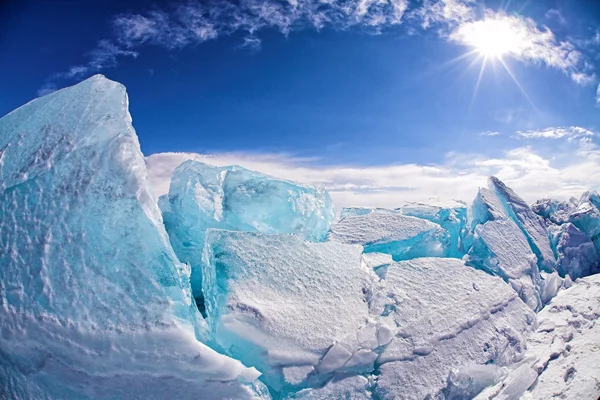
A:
95,304
202,196
510,240
499,201
390,232
451,216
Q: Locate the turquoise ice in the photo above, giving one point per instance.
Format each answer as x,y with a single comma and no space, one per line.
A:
202,196
95,305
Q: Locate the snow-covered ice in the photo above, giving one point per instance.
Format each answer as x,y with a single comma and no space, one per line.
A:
202,196
562,358
576,254
284,304
446,319
94,303
390,232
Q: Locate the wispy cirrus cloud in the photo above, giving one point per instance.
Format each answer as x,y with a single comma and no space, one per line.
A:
569,132
104,55
190,22
489,133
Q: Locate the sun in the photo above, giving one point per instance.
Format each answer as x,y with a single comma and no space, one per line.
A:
493,38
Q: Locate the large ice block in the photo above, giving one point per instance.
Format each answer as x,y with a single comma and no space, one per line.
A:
94,303
511,241
290,307
577,256
452,327
586,217
203,196
553,210
392,233
501,202
451,216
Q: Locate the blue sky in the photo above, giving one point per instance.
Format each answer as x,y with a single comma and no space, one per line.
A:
379,101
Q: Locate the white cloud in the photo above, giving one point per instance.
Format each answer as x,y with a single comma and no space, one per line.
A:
489,133
190,23
531,174
104,55
598,95
570,132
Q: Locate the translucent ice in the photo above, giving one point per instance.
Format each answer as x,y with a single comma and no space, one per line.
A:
354,387
510,240
286,305
447,320
452,216
501,202
392,233
203,196
94,303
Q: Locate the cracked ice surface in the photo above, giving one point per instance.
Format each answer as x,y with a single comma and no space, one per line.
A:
511,241
202,196
286,305
90,289
564,350
392,233
446,319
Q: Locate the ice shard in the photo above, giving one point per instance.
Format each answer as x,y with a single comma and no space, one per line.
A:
390,232
95,305
202,196
502,202
511,241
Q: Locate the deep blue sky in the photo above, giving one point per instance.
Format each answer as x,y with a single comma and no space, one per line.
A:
343,95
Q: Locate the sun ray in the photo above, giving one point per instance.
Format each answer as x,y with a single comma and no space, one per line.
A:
481,70
514,78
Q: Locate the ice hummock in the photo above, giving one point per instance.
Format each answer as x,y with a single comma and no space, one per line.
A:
561,360
286,305
95,304
390,232
511,241
447,321
202,196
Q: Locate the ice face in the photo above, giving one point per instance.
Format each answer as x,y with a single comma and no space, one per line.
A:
502,202
511,241
94,303
286,305
447,320
392,233
577,256
586,217
451,216
202,196
553,210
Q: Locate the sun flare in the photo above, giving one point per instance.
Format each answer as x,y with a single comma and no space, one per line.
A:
493,38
